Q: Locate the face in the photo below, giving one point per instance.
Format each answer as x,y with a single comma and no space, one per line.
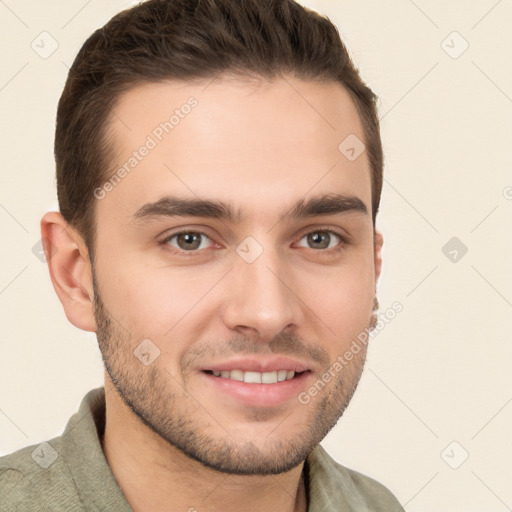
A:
234,263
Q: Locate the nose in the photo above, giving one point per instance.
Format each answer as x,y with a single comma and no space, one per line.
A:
261,299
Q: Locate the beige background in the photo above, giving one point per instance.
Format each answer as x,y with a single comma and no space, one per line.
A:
440,371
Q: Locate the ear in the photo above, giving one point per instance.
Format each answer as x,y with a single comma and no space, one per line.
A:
70,270
378,241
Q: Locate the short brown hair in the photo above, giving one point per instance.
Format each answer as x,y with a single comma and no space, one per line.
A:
187,40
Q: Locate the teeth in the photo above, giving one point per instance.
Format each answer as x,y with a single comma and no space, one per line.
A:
252,377
236,375
269,378
256,377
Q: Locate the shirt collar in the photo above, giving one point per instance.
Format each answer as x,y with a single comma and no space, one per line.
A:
327,489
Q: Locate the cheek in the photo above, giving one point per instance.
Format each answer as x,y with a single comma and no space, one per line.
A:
342,300
154,301
155,304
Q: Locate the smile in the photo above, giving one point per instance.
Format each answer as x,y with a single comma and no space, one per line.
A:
256,377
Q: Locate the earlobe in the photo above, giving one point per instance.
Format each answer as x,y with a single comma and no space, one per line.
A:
378,242
70,271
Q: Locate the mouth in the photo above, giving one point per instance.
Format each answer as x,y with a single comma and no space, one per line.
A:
250,377
257,382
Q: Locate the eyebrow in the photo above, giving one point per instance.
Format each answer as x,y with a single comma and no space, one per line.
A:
172,206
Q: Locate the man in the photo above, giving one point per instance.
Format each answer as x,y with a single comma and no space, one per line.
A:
219,169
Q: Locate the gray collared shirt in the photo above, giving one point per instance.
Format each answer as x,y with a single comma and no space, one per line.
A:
70,473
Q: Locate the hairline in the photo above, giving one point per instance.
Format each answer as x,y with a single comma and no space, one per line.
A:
238,76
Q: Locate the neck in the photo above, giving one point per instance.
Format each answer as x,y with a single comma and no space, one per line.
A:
156,476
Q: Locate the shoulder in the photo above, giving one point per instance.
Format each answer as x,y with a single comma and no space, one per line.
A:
24,475
360,491
18,492
376,495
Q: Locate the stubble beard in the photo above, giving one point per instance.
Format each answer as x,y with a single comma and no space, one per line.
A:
157,399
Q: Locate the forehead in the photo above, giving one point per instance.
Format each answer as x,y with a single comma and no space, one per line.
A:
250,143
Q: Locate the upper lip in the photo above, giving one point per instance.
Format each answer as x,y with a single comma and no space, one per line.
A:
262,365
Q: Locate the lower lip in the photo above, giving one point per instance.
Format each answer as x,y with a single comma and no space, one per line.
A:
259,395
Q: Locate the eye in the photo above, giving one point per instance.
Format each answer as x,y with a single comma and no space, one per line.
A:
322,239
191,242
187,241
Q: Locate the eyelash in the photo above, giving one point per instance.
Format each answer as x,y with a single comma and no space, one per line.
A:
332,251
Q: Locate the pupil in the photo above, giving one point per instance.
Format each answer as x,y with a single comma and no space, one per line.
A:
191,240
318,237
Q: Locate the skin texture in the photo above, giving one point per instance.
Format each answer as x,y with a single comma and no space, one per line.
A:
260,146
